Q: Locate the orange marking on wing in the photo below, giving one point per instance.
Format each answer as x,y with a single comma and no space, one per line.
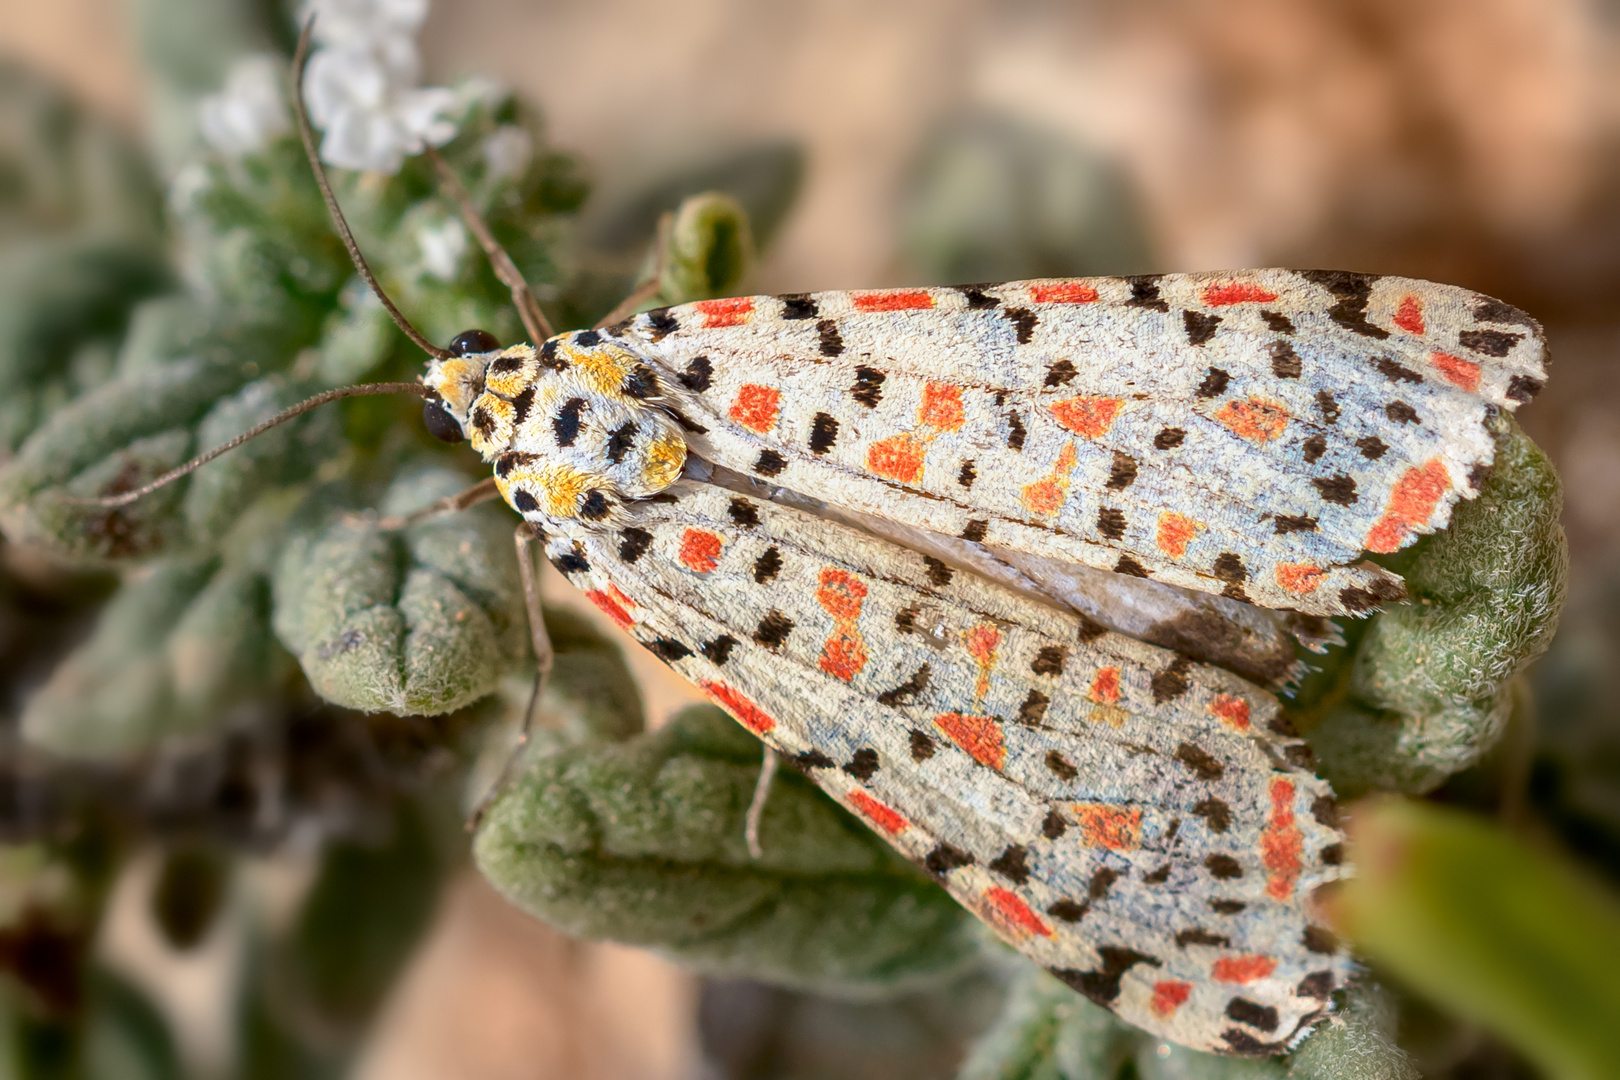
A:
840,595
899,457
1176,532
1411,501
1236,292
900,300
613,607
980,736
1281,843
1008,912
747,714
982,642
1168,996
882,816
1116,828
700,550
1105,686
1257,419
942,407
756,407
1457,371
1409,316
1242,969
1086,416
732,311
1299,578
1233,711
1047,496
1063,292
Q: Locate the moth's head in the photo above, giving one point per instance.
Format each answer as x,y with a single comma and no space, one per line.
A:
457,380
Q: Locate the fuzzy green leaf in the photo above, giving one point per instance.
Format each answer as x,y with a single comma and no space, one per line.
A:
642,842
416,621
708,249
1431,687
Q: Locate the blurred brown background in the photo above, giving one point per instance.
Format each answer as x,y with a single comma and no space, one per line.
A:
1468,141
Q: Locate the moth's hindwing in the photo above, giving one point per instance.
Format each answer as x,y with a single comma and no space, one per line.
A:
1248,433
1143,826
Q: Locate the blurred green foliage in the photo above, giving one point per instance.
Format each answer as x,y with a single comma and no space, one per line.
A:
202,711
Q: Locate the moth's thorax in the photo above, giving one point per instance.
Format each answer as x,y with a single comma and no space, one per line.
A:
571,427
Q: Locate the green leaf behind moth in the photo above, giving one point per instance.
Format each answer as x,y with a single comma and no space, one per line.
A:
642,842
1431,687
417,621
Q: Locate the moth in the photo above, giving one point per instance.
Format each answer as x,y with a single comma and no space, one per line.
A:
1145,826
930,546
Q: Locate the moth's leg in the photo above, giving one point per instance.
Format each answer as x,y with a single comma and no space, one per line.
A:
534,320
525,539
756,808
483,491
649,288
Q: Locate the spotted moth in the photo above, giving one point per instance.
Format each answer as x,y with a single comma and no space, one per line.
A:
1142,824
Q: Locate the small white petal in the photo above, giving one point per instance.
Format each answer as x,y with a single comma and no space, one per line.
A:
249,113
442,247
508,151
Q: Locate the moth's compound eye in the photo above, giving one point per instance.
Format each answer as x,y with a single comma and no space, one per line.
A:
440,424
473,341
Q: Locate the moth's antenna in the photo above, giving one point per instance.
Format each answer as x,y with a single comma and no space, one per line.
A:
300,59
362,390
534,320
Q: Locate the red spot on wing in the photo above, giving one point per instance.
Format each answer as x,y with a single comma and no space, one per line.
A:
1176,531
1411,502
1242,969
982,642
1117,828
899,300
1168,996
1006,911
1233,711
980,736
1105,686
942,407
700,550
756,407
1409,316
840,595
1044,497
1257,419
899,457
882,816
1457,371
1236,292
747,714
1063,292
729,312
1299,578
1086,416
1281,843
613,606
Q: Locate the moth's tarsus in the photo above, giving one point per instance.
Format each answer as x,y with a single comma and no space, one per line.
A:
300,61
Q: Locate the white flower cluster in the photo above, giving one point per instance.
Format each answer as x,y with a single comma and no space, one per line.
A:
361,84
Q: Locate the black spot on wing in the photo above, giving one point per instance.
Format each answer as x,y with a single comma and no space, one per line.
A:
661,321
1024,322
868,388
1216,814
1171,682
1488,310
1372,447
977,298
1197,936
633,543
669,650
1111,522
773,630
1129,566
767,566
524,502
769,463
829,342
594,505
483,421
1203,765
945,858
1394,372
548,358
640,383
1223,867
1102,984
1033,708
939,575
1214,384
1015,432
975,530
1060,766
743,512
1145,292
863,764
1292,523
1489,342
1049,660
1400,412
1060,373
1012,864
1313,448
823,433
698,376
1277,321
1328,406
1285,362
1352,292
799,306
922,746
1522,388
1338,489
1252,1013
1122,472
966,475
906,692
1169,438
1201,326
719,650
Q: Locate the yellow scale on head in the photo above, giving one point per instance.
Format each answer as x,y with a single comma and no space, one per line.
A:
570,427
